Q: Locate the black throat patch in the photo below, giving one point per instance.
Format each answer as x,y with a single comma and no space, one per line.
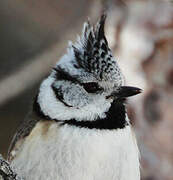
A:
115,117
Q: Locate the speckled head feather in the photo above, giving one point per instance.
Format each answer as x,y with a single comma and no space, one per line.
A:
82,79
94,55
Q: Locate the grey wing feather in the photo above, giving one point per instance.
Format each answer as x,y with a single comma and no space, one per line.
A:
24,130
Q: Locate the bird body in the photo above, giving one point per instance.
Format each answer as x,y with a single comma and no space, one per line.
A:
78,128
70,153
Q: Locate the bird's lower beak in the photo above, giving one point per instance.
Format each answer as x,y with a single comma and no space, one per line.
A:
125,91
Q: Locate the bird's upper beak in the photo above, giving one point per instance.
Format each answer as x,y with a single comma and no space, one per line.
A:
125,91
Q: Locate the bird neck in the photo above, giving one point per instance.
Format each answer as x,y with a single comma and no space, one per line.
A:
116,118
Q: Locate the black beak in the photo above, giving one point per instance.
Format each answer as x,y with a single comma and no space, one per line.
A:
125,91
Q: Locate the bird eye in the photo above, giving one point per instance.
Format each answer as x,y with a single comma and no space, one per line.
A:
91,87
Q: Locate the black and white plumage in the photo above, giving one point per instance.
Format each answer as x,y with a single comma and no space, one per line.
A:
78,128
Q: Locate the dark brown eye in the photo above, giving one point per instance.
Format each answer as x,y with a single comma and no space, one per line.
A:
91,87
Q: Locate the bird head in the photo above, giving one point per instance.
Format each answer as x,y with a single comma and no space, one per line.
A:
86,80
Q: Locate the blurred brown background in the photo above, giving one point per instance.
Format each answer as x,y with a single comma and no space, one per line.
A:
35,33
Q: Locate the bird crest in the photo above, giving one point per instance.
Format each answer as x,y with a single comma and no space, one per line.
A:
92,52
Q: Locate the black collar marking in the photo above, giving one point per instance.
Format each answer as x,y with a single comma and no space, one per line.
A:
115,117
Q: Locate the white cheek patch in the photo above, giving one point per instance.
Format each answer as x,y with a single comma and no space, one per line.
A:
55,109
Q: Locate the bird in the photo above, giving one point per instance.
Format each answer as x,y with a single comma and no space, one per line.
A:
78,127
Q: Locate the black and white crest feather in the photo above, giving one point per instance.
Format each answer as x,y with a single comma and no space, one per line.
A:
93,54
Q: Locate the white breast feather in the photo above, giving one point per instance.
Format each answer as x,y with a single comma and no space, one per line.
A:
71,153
